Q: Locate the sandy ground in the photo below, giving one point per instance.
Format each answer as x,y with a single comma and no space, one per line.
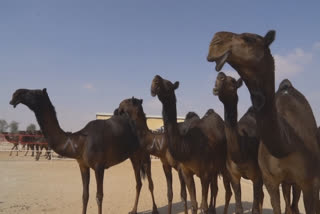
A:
27,186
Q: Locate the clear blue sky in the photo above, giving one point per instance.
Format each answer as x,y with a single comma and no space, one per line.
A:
90,55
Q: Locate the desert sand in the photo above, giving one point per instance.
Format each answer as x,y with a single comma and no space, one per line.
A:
29,186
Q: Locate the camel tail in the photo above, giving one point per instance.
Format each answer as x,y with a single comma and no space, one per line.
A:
145,166
143,172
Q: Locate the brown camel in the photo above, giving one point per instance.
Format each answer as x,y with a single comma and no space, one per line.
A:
198,152
289,151
242,155
14,139
156,144
99,145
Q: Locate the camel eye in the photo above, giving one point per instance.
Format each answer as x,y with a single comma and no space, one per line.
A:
249,39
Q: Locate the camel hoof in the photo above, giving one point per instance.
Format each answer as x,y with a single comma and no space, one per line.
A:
255,211
295,210
239,211
212,210
288,211
155,212
132,212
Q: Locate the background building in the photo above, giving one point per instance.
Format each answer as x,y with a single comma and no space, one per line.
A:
153,122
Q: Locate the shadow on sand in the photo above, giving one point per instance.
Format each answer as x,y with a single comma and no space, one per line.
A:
178,208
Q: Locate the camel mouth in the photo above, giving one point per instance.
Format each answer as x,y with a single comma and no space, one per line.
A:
14,103
153,93
221,61
215,91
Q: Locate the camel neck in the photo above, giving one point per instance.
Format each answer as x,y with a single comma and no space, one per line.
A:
55,136
179,149
169,113
268,127
231,113
231,129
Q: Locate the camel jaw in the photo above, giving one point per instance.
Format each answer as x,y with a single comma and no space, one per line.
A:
221,61
14,103
215,91
153,94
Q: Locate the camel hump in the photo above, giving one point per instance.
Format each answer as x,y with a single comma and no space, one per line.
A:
285,85
209,112
247,125
295,109
191,114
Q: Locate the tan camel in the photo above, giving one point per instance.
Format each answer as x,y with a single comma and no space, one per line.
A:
100,145
289,151
196,150
242,156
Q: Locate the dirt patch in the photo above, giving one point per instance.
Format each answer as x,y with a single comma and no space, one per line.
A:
29,186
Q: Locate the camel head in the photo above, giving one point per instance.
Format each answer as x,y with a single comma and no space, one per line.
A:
226,87
162,88
247,53
132,107
30,98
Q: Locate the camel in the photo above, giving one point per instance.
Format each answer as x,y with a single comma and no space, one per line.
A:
198,152
99,145
289,151
155,143
14,139
29,139
242,155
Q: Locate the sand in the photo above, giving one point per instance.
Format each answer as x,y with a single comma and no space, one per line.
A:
29,186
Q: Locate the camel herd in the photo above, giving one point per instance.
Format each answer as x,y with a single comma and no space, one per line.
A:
30,140
275,142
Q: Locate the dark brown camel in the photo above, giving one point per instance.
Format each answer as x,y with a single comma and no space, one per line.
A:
156,144
289,151
99,145
242,156
199,153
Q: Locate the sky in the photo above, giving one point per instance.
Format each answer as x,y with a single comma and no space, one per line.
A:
90,55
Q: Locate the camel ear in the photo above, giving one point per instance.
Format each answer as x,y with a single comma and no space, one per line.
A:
239,83
44,90
141,101
269,37
176,85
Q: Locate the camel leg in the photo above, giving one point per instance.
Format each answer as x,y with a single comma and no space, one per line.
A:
226,183
257,196
38,151
183,191
286,195
213,195
136,168
168,172
310,196
204,187
273,190
85,175
188,178
295,199
27,150
235,182
14,146
151,187
99,171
